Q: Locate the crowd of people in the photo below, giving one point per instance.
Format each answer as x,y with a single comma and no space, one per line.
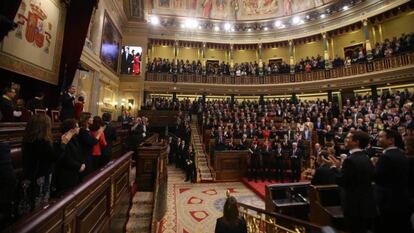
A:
367,140
52,166
387,48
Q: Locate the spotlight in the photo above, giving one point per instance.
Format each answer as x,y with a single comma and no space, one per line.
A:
323,16
307,16
345,7
154,20
249,29
190,23
265,28
278,24
227,26
296,20
216,28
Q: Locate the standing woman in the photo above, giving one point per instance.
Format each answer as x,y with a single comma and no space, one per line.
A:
71,163
98,127
231,222
37,157
86,140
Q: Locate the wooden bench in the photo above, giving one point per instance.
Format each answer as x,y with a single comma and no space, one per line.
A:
87,208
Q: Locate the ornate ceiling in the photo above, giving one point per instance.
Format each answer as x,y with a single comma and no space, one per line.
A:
234,9
247,21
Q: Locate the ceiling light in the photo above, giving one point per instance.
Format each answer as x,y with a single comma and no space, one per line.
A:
345,7
307,16
323,16
216,28
249,29
227,26
278,23
191,23
199,27
154,20
265,28
296,20
232,29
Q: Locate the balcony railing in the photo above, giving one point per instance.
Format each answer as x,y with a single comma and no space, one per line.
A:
344,71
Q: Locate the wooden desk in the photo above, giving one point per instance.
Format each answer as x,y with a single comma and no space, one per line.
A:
289,199
230,165
146,165
325,205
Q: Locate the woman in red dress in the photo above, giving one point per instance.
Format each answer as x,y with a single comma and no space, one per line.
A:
136,64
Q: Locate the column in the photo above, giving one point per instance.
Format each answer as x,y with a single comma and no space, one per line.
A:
291,57
174,97
203,98
294,98
231,56
326,51
176,44
260,55
203,56
366,37
330,96
374,93
261,99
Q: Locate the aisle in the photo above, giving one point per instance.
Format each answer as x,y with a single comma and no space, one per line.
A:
205,172
194,208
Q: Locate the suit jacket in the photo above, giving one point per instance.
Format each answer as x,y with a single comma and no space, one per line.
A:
110,137
6,108
355,180
391,178
67,167
223,227
323,175
68,107
307,136
8,180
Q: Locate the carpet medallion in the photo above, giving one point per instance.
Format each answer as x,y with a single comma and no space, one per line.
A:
195,207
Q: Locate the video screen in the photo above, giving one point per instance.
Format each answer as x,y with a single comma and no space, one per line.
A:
131,57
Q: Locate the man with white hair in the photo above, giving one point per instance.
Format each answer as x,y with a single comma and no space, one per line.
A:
295,161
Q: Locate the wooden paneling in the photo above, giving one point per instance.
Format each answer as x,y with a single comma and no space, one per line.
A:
230,165
86,208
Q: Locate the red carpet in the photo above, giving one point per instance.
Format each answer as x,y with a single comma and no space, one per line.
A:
259,186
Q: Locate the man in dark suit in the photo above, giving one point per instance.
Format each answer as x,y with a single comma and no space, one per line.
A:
110,137
279,162
126,60
355,178
295,161
254,161
391,190
124,119
7,105
68,104
323,174
36,102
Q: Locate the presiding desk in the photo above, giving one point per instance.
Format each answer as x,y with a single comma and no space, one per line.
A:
230,165
288,198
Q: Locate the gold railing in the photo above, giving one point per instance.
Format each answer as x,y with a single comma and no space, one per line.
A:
344,71
262,221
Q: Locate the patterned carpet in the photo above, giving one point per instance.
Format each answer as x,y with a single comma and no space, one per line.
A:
195,207
205,172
